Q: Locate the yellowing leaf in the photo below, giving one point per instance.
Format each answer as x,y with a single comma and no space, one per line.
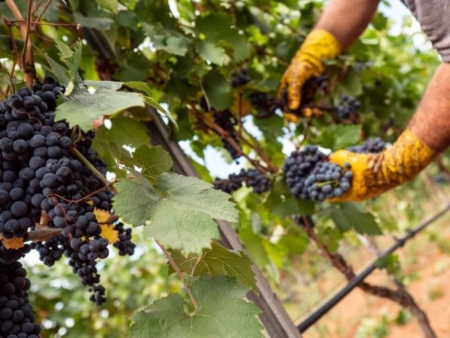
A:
108,231
13,243
101,215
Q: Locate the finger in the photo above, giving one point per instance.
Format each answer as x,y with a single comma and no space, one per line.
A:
291,117
282,89
294,94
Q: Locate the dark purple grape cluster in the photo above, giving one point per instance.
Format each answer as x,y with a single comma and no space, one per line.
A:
264,103
233,183
347,106
8,256
42,180
309,175
240,78
124,244
328,180
16,314
253,178
227,122
300,220
298,166
373,145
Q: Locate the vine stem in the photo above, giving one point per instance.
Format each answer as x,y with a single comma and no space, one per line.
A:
179,273
253,143
25,27
93,169
226,136
400,295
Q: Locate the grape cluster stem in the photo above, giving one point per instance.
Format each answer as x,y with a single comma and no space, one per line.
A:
223,134
179,273
93,169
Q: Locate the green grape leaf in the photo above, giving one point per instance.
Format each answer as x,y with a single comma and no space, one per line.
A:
93,22
124,131
166,39
5,44
210,52
221,312
58,71
179,211
218,34
88,110
5,80
127,19
110,5
71,57
153,161
216,261
281,202
118,152
217,90
346,136
348,216
351,84
108,85
143,87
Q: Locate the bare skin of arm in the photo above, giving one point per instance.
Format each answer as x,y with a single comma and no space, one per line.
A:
431,122
347,19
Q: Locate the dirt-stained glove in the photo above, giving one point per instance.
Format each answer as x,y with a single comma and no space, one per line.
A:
306,64
373,174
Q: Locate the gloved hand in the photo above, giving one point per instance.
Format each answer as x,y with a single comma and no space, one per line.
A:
306,64
374,174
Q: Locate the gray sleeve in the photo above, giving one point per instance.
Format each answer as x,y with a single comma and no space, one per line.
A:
434,20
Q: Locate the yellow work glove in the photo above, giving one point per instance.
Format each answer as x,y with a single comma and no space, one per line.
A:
373,174
306,64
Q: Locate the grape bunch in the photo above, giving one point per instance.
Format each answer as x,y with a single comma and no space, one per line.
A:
240,78
253,178
347,106
45,185
233,183
372,146
16,313
226,121
309,175
328,180
297,168
264,103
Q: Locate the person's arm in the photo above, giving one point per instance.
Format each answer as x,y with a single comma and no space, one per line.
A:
431,122
347,19
427,134
339,26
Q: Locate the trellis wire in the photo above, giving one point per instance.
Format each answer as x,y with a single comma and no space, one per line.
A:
327,306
